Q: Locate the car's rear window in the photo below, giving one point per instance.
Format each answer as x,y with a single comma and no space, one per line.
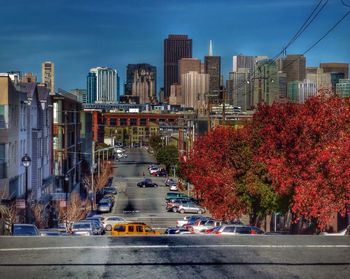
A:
20,230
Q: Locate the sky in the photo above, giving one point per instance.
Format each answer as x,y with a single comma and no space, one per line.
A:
81,34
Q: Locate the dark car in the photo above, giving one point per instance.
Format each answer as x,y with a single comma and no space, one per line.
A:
109,190
25,230
161,172
147,183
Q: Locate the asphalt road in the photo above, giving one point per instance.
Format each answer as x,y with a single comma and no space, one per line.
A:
141,204
184,256
169,257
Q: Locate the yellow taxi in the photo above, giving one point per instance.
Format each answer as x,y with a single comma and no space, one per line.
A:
133,229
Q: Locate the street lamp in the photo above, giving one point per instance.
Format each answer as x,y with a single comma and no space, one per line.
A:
26,163
66,186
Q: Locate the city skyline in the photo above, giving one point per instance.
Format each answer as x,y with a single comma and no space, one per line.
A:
86,34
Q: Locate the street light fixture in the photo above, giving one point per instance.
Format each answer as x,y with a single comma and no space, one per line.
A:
66,186
26,160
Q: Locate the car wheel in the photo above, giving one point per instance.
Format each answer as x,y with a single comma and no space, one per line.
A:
155,185
143,186
200,211
182,211
174,209
108,228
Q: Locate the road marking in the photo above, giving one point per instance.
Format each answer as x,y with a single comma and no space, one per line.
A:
169,247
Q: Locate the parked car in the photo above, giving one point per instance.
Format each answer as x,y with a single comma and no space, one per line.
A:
177,231
133,229
187,219
147,182
50,233
84,228
172,195
345,231
160,172
107,200
109,190
172,205
168,181
201,226
153,170
190,207
104,207
25,230
151,166
98,225
110,221
193,220
173,187
234,230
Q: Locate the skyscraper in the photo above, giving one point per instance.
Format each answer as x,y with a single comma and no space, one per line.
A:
48,75
239,91
102,85
242,61
175,48
194,87
294,66
212,66
337,71
187,65
141,82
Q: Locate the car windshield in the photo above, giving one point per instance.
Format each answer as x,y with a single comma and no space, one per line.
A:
24,230
81,226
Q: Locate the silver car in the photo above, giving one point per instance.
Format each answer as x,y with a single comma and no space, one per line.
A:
190,207
104,207
84,228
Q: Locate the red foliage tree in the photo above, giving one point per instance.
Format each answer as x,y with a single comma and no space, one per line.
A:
305,149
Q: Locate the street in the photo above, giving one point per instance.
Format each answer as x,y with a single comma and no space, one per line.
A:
190,256
141,204
173,256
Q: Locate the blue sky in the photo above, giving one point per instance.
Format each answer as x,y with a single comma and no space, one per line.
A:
80,34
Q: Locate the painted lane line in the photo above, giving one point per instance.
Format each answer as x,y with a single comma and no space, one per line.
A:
169,247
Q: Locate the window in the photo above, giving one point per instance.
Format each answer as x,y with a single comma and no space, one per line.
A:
113,122
133,121
2,116
243,230
139,229
123,122
143,121
119,228
131,229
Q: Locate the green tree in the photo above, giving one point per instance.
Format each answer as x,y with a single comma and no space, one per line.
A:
155,142
168,156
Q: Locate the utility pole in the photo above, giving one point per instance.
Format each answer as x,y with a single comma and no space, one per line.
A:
92,176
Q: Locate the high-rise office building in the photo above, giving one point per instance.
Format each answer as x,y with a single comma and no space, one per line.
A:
300,91
266,85
194,88
212,66
319,77
294,66
102,85
175,48
48,75
242,61
141,81
81,94
187,65
337,71
343,88
238,89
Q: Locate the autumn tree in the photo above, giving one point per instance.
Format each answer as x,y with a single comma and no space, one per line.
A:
305,149
155,142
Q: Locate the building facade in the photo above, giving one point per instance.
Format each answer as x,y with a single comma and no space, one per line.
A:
175,48
102,85
300,91
176,97
81,94
266,87
141,82
48,75
26,129
239,91
195,87
318,76
294,65
212,65
343,88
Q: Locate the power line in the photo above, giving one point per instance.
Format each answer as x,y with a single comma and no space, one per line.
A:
345,4
304,26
